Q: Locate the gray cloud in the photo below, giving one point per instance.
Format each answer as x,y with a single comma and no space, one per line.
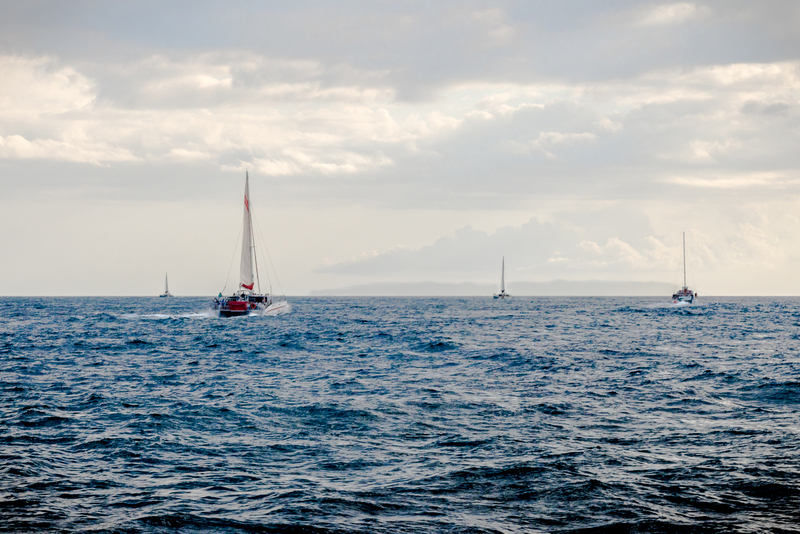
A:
424,46
575,245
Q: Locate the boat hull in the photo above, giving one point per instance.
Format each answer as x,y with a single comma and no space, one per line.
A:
684,295
250,305
232,313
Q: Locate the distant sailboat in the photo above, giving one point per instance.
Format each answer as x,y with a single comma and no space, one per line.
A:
502,294
246,300
684,294
166,292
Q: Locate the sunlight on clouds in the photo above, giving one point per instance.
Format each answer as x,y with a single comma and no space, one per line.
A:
548,140
757,179
291,118
95,153
784,73
673,14
296,162
189,82
182,154
591,246
40,86
313,91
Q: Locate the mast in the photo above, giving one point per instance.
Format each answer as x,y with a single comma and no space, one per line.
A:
684,260
246,267
503,277
166,283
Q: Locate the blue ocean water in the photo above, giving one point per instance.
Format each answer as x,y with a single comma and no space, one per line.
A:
400,415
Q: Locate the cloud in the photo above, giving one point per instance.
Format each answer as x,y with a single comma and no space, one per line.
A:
34,86
498,32
71,150
534,251
676,13
483,142
759,180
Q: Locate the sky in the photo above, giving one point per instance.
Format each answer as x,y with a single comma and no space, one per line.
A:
398,142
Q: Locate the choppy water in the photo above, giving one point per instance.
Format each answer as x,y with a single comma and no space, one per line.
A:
400,415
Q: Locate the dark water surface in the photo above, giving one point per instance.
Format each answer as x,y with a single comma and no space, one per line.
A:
400,415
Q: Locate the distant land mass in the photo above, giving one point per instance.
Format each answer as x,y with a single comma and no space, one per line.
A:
554,288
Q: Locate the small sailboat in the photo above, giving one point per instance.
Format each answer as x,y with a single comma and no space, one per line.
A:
247,300
166,292
684,294
502,294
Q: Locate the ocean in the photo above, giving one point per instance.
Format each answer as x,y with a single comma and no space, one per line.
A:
395,415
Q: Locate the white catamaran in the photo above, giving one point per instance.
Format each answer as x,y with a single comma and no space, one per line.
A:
502,294
246,300
684,294
166,292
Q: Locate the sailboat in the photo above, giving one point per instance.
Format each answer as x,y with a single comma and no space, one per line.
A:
247,300
502,294
684,294
166,292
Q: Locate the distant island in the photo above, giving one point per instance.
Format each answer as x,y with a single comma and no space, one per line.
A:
554,288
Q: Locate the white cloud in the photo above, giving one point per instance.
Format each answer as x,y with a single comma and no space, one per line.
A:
81,151
676,13
39,86
759,180
239,108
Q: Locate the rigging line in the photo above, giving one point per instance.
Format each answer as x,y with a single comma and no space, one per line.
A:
227,278
260,235
253,245
269,257
678,273
690,272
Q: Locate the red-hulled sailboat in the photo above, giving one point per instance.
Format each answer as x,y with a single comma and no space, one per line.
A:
247,300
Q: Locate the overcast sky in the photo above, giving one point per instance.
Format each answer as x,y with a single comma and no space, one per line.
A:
399,141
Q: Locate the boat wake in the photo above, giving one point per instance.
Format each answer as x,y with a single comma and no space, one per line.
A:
206,314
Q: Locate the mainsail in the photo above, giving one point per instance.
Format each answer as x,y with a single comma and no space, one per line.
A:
246,269
503,277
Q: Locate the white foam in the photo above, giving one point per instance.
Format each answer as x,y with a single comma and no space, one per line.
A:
277,308
161,316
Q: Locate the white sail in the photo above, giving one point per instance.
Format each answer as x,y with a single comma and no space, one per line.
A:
246,269
502,293
503,277
166,292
